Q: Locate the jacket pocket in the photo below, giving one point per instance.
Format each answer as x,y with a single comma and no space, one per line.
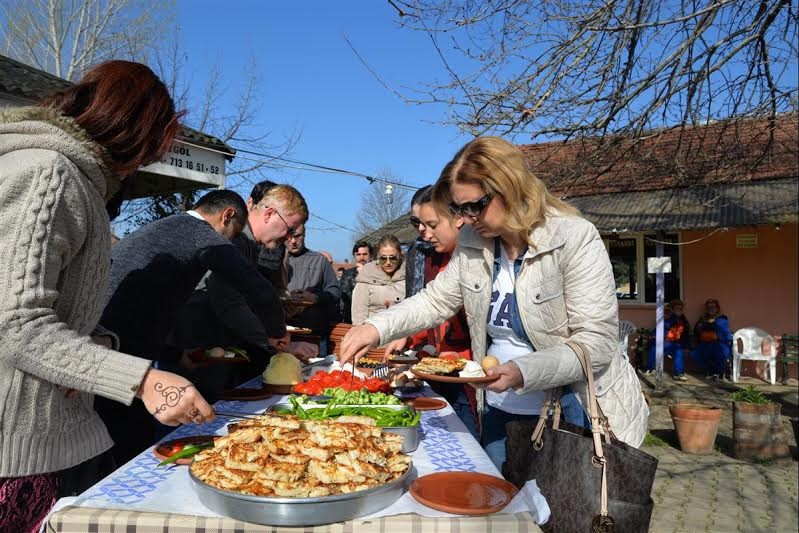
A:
472,283
549,304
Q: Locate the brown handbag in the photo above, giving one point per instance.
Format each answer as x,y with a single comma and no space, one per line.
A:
591,481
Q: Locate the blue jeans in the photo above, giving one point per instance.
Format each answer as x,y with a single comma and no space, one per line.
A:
463,409
712,357
669,348
572,410
494,435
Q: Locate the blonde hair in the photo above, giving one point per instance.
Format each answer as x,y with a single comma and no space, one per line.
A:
287,198
499,167
390,240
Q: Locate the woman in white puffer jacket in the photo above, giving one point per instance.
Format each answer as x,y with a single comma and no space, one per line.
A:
561,287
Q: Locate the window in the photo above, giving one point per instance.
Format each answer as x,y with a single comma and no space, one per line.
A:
628,255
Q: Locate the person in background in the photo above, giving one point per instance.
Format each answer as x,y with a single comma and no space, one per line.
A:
362,253
381,283
154,272
312,279
713,341
677,336
61,163
339,273
420,250
533,276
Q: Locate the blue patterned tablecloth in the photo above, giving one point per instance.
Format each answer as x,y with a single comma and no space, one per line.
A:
445,445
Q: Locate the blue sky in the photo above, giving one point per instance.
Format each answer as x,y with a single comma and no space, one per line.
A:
312,83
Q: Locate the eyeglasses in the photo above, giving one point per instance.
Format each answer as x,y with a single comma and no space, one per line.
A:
289,230
415,222
471,209
382,259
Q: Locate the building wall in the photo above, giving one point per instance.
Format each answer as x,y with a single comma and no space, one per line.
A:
755,286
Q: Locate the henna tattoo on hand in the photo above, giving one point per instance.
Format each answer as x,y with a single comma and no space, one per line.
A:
171,395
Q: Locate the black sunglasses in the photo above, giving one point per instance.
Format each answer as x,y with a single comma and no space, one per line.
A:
415,222
386,258
471,209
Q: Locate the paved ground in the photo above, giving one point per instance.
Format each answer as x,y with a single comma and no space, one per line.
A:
717,493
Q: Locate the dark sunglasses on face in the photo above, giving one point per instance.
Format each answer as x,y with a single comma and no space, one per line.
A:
471,209
415,222
387,258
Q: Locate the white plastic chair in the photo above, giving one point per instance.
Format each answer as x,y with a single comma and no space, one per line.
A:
626,328
752,340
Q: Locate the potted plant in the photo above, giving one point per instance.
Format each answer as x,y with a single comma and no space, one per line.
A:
756,426
696,425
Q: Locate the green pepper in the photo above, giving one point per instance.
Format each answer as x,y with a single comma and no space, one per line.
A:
188,451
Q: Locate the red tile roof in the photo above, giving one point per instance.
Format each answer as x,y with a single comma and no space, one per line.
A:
730,151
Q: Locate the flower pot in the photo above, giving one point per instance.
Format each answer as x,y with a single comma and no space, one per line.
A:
757,431
696,426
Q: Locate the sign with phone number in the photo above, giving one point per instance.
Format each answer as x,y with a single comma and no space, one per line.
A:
191,163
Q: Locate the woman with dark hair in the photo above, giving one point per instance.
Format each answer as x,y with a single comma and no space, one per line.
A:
60,162
381,283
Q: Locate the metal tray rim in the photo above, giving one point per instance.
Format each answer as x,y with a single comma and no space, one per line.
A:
319,499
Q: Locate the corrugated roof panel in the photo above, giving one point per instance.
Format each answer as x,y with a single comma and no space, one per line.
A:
730,205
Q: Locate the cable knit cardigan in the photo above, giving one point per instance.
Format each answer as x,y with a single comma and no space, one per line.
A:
55,257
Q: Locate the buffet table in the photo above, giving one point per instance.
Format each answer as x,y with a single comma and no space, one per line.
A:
138,497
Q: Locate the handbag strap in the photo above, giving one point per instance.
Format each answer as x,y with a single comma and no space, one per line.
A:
597,423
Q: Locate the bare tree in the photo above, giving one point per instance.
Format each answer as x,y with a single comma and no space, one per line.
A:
65,37
379,208
559,68
237,126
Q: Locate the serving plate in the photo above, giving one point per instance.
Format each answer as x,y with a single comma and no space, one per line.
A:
469,493
278,389
300,511
453,379
422,403
161,451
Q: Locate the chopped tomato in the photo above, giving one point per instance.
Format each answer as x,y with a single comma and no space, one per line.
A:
175,448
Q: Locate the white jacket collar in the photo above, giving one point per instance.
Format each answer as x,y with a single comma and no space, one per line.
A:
545,237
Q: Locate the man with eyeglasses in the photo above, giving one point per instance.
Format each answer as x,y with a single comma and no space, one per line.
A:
311,278
218,315
154,272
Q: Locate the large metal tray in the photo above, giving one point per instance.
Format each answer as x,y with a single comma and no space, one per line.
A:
300,511
410,434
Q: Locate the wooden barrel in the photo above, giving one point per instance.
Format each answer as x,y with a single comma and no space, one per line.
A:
757,431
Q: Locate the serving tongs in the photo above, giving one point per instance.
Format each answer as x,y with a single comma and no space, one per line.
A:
232,414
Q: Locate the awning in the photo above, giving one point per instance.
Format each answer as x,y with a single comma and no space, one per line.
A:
728,205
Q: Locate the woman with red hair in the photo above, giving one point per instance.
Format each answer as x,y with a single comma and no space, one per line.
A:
60,164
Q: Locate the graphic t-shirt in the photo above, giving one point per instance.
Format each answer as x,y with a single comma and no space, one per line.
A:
506,345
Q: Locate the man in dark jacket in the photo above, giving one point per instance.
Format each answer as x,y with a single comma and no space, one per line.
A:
219,315
362,253
677,334
155,271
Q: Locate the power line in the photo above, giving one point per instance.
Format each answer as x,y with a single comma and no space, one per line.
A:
334,223
305,166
